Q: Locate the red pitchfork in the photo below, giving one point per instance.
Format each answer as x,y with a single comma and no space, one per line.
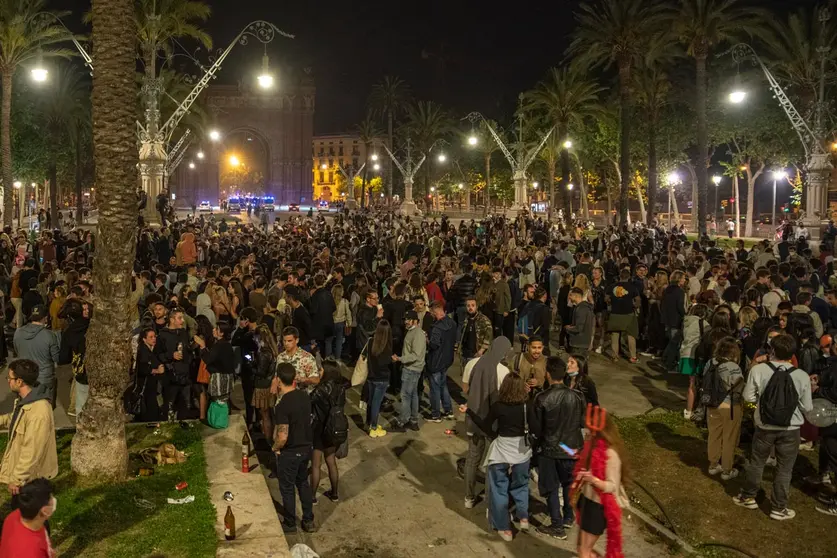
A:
595,422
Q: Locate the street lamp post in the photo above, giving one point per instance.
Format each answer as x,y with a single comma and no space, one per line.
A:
520,162
570,194
717,180
673,180
409,172
156,163
350,203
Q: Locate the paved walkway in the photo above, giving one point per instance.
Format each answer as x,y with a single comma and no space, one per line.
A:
400,496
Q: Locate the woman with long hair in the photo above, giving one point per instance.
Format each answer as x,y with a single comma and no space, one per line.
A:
327,396
485,295
415,287
378,362
220,361
263,376
73,348
509,454
204,331
602,490
578,378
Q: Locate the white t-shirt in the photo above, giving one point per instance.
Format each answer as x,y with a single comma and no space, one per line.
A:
502,372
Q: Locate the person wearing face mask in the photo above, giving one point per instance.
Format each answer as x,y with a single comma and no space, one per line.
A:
577,378
30,452
25,533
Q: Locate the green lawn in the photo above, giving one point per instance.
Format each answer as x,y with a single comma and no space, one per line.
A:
113,521
668,458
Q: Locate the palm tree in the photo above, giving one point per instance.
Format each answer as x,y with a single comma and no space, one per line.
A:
566,97
426,123
389,97
487,146
550,154
99,447
652,88
61,108
160,22
80,135
617,32
369,133
701,25
27,32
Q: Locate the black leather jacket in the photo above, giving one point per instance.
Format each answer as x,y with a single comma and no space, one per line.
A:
558,419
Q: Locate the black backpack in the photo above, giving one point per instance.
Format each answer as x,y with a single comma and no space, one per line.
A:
713,391
336,430
780,399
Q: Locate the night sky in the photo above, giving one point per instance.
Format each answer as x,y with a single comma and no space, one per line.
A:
465,54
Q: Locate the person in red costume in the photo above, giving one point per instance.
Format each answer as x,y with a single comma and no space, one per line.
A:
602,495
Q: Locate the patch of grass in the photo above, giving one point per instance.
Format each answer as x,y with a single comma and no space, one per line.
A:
668,458
108,520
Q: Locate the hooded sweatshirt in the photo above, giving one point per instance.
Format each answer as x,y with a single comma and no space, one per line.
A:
440,346
203,306
39,343
187,252
73,346
482,385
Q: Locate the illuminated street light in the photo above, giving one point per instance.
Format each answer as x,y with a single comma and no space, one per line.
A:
40,74
191,165
374,157
570,186
534,185
780,174
376,166
234,161
214,135
17,184
432,188
265,78
461,185
200,154
673,178
716,179
472,140
442,157
737,97
568,144
324,166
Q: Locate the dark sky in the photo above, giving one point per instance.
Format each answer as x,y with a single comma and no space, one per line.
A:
466,54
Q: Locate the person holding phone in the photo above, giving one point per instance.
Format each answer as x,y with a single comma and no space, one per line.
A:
557,425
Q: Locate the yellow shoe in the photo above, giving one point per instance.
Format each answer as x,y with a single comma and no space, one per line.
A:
373,432
380,432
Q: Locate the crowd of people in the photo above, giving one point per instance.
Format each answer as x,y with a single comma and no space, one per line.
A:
522,306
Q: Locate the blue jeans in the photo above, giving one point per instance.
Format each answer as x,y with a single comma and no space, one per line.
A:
377,391
671,354
409,396
334,342
501,486
439,391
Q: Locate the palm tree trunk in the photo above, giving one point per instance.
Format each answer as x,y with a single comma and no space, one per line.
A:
389,159
99,448
53,192
702,141
6,139
487,195
625,139
737,195
550,181
751,187
642,217
79,197
652,170
693,175
363,185
564,192
583,193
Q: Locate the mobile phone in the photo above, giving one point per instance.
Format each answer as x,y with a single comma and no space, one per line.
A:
568,449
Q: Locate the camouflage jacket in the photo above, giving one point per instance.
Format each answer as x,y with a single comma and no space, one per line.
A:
485,332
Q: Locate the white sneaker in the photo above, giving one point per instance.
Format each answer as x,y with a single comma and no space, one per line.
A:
715,469
733,473
782,515
806,446
771,462
524,524
469,503
687,414
598,350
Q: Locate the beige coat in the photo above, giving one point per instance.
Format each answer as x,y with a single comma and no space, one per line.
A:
31,451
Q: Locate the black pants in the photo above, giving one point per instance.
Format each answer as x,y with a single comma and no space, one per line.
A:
150,407
176,398
556,475
248,387
292,472
828,450
498,323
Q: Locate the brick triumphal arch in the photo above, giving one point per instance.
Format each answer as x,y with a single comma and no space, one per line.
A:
281,119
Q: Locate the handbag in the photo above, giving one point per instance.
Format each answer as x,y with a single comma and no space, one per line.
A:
342,449
203,373
361,370
134,397
218,415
